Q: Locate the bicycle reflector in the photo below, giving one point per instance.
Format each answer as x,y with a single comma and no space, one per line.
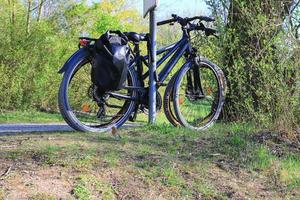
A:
84,42
85,108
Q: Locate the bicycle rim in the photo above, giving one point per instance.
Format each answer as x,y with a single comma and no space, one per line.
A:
198,97
85,112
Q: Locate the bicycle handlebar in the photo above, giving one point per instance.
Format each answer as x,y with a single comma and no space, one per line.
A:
210,31
207,31
166,22
184,21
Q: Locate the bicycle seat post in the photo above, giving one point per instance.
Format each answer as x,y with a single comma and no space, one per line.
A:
150,7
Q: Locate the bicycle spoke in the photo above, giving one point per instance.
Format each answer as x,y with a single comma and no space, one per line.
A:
95,110
196,107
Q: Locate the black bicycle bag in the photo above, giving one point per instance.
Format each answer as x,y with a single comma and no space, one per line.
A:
110,61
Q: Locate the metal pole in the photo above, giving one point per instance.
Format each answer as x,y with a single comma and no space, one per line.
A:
152,68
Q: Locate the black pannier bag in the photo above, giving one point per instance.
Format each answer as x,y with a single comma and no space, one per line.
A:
111,56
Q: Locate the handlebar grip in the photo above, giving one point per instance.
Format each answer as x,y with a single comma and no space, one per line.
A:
210,31
166,22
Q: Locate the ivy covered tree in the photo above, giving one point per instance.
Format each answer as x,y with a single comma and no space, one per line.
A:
257,53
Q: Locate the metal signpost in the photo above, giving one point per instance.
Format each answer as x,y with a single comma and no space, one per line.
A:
149,7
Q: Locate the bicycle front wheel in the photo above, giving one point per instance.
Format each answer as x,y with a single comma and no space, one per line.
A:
168,103
199,94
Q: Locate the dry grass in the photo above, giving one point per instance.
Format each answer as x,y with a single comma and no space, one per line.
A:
227,162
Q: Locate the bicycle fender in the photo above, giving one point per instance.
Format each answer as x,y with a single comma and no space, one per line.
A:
77,56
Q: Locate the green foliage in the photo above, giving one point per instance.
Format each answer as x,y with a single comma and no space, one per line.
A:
259,56
257,49
29,61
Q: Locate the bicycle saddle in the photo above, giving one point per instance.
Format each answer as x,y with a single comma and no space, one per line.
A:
136,37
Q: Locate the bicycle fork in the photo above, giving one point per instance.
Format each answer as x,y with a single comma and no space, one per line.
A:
194,88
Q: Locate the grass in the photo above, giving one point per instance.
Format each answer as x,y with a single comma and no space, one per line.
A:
1,194
42,196
290,171
86,185
162,162
30,117
43,117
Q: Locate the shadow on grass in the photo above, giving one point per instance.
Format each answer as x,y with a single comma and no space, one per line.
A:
165,153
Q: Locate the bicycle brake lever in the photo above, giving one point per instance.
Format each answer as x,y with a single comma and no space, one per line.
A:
210,31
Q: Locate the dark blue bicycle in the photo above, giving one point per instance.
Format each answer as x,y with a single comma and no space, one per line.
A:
193,98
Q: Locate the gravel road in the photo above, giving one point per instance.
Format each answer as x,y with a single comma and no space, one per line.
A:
31,128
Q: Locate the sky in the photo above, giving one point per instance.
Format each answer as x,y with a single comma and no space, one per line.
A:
184,8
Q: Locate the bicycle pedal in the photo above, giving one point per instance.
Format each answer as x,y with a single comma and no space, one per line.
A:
132,119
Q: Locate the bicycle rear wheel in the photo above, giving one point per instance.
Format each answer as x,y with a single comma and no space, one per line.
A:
86,110
199,94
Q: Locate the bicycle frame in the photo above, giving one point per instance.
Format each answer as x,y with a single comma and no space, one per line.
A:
178,49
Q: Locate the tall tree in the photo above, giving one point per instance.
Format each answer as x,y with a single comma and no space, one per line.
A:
40,8
29,4
250,57
12,8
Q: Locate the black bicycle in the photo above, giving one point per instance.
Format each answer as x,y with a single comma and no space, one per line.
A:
193,98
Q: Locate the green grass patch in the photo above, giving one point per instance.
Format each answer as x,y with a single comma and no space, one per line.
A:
14,154
171,177
262,158
30,117
111,158
88,185
290,171
81,191
48,155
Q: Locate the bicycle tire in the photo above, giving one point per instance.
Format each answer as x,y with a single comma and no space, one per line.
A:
221,82
167,103
71,118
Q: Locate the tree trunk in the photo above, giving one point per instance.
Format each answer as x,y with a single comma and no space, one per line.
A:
252,26
11,4
13,12
40,8
28,16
